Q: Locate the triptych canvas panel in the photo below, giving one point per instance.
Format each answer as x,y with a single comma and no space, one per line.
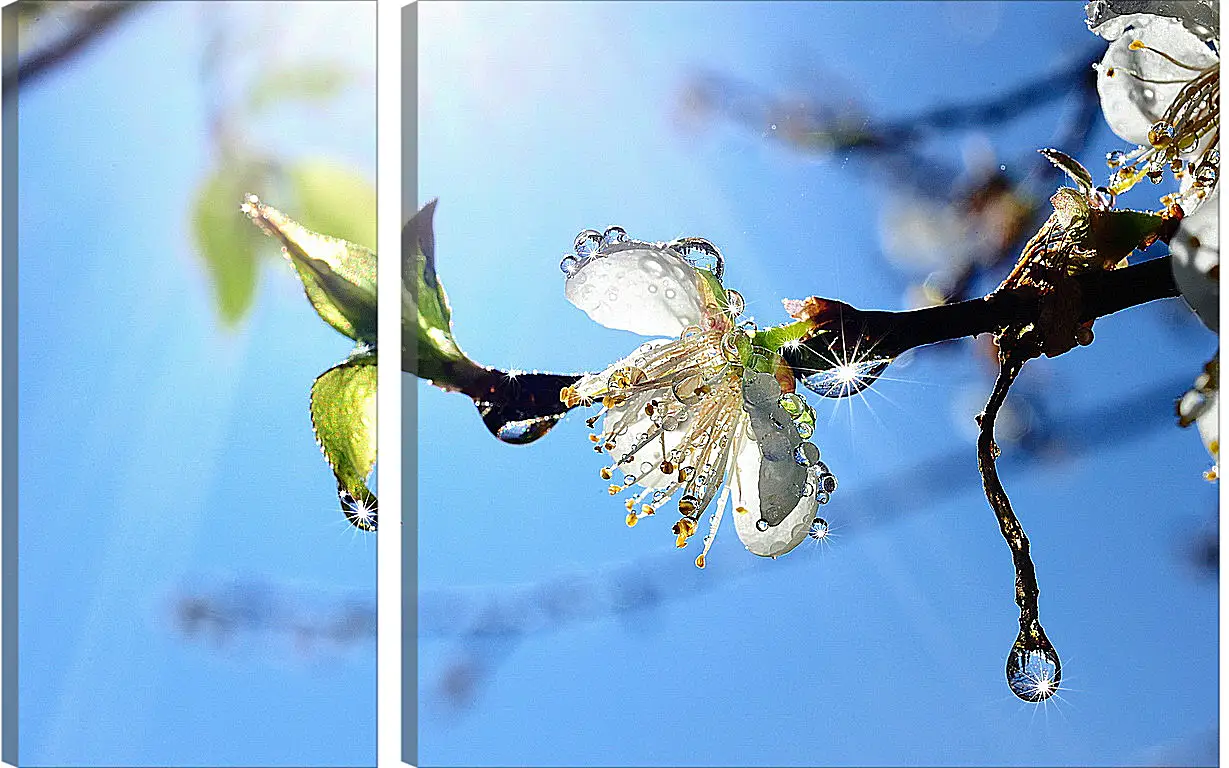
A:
778,384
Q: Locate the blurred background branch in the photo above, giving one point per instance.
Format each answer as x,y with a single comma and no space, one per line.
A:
58,32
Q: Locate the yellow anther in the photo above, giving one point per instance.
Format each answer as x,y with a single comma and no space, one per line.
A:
740,510
632,519
1137,45
605,473
615,489
700,560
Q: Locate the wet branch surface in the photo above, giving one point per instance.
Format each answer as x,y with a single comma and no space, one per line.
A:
1013,532
886,335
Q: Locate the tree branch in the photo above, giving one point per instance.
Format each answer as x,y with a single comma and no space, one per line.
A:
886,335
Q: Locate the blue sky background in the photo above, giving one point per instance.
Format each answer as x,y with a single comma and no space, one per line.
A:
160,452
887,647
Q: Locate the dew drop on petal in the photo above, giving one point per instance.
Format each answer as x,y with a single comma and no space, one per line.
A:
701,254
1033,674
761,525
614,235
670,293
587,243
806,454
569,264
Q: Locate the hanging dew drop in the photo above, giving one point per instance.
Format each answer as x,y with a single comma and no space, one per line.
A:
819,529
361,513
569,264
1033,674
845,379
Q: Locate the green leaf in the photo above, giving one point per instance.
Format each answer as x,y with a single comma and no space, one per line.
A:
343,408
1116,233
339,277
335,199
308,82
229,247
438,355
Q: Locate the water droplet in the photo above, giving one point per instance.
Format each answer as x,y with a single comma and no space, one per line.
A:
806,454
846,379
689,389
1106,197
526,430
652,288
1148,94
614,235
569,264
587,243
1033,674
761,525
731,345
792,403
1205,175
827,483
362,514
701,254
735,303
1114,159
819,528
1212,157
1161,133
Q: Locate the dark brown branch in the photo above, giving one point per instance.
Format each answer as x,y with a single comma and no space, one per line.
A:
888,334
90,24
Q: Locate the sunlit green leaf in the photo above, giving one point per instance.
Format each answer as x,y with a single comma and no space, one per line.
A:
307,82
343,409
423,298
339,277
228,245
335,199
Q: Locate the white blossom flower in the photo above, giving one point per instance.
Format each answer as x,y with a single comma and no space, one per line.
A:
1196,261
1159,84
703,415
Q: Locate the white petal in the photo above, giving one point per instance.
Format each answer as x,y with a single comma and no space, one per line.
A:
1209,427
1196,250
1110,18
776,540
1130,106
638,287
